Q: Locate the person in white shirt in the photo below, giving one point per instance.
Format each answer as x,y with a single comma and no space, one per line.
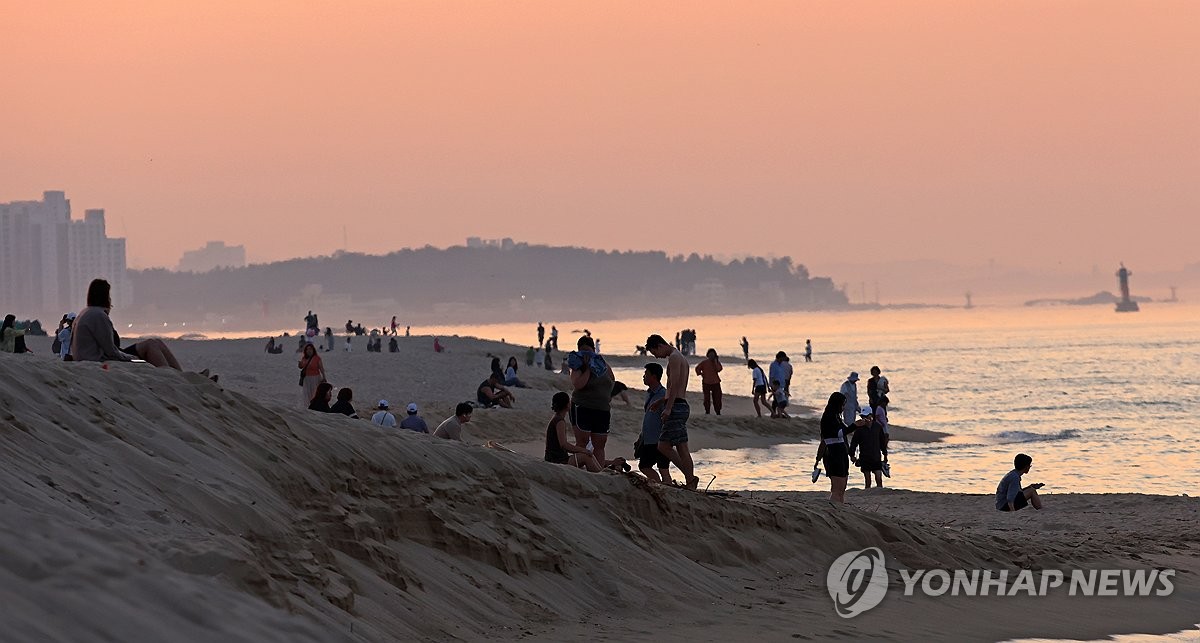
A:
383,417
850,390
760,386
451,427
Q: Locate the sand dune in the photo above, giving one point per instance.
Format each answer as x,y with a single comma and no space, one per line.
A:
147,504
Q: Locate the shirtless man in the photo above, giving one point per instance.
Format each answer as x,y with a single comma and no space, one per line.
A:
673,441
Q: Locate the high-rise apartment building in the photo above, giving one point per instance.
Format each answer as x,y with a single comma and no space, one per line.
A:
47,260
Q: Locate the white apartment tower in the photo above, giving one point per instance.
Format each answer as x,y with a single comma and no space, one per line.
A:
93,255
47,260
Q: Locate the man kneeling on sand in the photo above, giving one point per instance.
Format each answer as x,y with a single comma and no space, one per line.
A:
1010,496
451,428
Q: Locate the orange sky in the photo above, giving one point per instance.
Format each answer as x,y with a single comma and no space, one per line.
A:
1035,133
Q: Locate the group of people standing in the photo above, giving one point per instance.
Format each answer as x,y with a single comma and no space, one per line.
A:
867,448
587,411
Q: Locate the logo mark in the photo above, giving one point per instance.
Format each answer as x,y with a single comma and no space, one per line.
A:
857,581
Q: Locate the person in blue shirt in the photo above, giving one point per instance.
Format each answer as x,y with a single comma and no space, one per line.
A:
649,456
1009,494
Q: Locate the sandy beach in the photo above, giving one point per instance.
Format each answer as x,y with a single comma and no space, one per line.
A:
148,504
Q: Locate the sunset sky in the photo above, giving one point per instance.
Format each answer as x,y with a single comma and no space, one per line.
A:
1043,134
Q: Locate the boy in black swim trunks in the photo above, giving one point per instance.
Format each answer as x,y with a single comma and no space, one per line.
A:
649,456
1009,494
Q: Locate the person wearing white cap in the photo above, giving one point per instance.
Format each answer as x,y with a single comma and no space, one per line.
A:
382,417
64,336
414,422
850,391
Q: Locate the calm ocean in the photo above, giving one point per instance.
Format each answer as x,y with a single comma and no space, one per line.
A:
1104,402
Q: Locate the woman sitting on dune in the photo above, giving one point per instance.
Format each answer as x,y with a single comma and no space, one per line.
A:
94,339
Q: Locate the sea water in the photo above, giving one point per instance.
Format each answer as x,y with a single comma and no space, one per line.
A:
1102,401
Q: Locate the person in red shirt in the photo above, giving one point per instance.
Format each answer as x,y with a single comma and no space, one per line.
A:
709,370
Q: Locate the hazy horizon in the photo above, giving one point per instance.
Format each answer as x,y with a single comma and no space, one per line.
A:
1047,137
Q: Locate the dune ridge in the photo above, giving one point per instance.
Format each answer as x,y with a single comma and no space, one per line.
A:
148,504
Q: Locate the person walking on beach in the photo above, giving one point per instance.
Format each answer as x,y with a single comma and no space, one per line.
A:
553,336
781,372
868,449
328,339
1009,494
808,350
745,348
849,390
414,422
673,442
592,381
451,427
541,331
649,456
779,401
759,388
394,325
383,417
312,373
832,449
709,371
876,386
559,448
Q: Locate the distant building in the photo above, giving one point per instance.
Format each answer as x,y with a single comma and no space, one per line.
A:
94,255
47,260
504,244
215,254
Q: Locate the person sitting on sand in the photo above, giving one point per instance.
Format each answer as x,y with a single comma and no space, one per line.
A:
451,427
759,387
64,338
673,441
344,404
510,374
437,345
779,400
559,448
9,334
393,345
270,345
321,398
1009,494
414,422
868,449
95,340
649,455
491,393
312,372
833,450
383,417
